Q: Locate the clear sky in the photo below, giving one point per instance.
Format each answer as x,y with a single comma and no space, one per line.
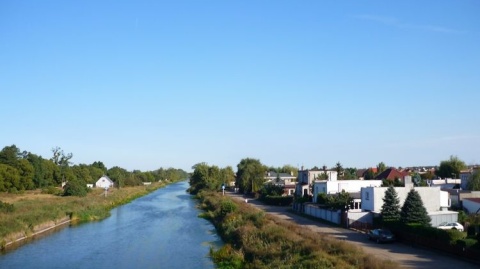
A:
150,84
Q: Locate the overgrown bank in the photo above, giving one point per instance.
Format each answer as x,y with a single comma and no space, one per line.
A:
255,240
33,211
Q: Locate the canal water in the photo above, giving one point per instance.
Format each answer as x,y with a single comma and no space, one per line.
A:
160,230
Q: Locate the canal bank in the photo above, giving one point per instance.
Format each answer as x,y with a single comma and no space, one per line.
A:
159,230
37,213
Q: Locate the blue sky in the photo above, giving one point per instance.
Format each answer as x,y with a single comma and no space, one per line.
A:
149,84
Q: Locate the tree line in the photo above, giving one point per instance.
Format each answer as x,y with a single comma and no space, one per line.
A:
23,170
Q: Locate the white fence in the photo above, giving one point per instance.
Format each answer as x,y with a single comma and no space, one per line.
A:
329,215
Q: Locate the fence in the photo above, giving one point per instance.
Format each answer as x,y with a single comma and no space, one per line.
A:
333,216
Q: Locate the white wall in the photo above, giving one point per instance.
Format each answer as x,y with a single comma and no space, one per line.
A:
372,197
350,186
103,182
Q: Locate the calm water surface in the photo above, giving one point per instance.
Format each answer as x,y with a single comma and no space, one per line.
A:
160,230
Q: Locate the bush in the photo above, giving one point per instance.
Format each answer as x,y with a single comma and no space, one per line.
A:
52,190
75,188
455,235
6,207
466,243
227,206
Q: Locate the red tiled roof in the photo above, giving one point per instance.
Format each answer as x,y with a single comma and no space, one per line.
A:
391,174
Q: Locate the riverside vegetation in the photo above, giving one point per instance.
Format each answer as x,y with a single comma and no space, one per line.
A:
256,240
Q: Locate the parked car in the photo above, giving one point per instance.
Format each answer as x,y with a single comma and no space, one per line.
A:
381,235
451,225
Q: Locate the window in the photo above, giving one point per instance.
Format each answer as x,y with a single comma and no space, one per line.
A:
367,196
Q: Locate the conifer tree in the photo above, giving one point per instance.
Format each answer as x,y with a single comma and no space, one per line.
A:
391,206
413,210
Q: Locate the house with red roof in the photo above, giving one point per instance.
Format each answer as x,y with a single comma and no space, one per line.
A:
392,174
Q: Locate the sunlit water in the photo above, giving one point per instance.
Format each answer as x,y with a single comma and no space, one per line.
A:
160,230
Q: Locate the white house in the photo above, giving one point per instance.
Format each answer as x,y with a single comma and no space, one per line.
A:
436,201
351,186
104,182
307,177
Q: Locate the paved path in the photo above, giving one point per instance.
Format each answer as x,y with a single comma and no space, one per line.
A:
407,256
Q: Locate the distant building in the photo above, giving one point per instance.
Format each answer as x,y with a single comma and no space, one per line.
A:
307,177
392,174
285,180
104,182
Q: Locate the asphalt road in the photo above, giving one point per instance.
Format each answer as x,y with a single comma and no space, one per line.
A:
407,256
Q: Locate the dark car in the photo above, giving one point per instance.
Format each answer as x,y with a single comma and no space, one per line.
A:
381,235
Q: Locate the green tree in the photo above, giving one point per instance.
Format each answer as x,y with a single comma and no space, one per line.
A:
9,178
117,175
381,167
450,168
391,206
250,175
427,175
228,175
75,188
10,155
339,169
369,174
350,173
473,183
100,166
413,210
289,169
339,201
27,172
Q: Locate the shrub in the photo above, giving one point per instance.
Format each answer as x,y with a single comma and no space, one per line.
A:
75,188
52,190
6,207
227,206
455,235
466,243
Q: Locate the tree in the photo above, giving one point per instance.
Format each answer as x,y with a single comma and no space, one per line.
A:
289,169
75,188
427,175
10,155
350,173
413,210
451,167
381,167
369,174
9,178
250,175
339,169
100,166
474,181
391,206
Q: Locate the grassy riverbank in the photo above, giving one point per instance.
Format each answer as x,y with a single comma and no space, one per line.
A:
255,240
33,210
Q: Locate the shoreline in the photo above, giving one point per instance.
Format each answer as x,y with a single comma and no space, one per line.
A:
19,240
20,237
